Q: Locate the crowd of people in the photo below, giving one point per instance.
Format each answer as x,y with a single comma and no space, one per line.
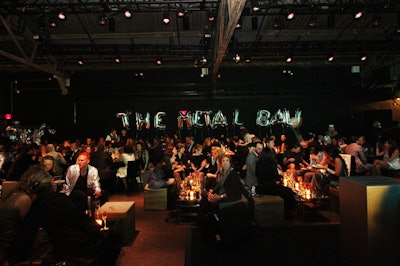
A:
232,170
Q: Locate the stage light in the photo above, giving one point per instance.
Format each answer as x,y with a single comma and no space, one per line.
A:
255,5
277,23
358,14
312,23
128,13
102,20
61,15
239,24
290,15
211,15
166,19
181,12
376,22
236,58
8,116
52,23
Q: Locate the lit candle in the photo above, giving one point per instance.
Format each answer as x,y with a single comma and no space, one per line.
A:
191,195
296,186
308,193
99,221
285,182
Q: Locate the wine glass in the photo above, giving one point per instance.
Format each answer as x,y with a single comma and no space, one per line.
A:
104,217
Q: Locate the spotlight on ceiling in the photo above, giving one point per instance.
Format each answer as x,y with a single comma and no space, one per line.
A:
52,23
255,5
239,24
211,15
102,20
358,14
236,58
117,59
61,15
247,59
166,19
181,11
330,58
363,58
312,23
159,61
80,62
277,23
290,15
203,60
127,13
376,21
289,59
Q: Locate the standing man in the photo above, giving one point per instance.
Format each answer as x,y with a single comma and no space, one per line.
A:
82,180
251,161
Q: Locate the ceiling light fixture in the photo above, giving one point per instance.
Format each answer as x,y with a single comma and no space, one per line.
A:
239,24
117,59
102,20
290,15
363,58
128,13
211,15
236,58
80,62
376,22
255,5
312,23
277,23
181,11
330,58
247,59
52,23
358,14
289,59
159,61
61,15
166,19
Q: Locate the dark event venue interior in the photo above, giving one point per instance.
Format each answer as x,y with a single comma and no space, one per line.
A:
77,69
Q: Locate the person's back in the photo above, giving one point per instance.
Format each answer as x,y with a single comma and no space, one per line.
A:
71,232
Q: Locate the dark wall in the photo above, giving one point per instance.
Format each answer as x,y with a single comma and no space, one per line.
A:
325,96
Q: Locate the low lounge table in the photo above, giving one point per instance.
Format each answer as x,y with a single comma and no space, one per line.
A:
123,212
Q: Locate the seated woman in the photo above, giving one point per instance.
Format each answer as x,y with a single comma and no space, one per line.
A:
228,189
229,208
161,177
13,211
335,168
390,159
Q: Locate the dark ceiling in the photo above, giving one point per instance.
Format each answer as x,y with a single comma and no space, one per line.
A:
266,38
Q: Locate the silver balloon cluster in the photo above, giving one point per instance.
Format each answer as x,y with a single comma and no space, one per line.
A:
17,133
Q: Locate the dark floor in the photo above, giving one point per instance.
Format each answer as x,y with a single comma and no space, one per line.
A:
312,238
